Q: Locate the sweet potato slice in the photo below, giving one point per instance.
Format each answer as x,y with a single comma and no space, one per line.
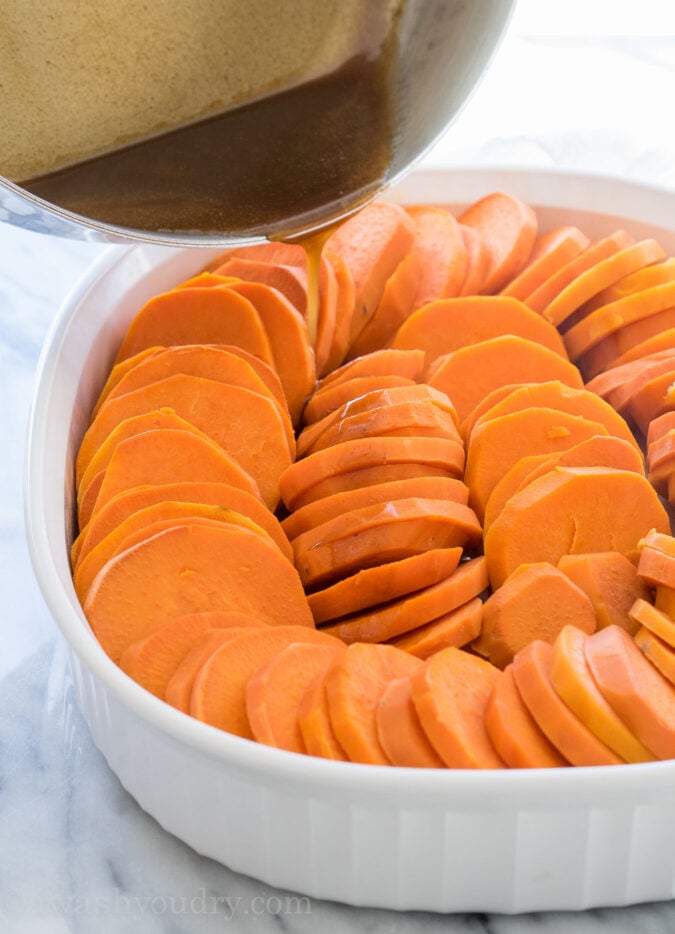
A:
572,679
300,477
478,261
290,281
315,513
399,731
649,617
248,426
637,691
610,384
646,278
332,397
166,455
219,691
119,371
470,373
597,451
604,321
450,693
372,243
136,425
561,311
424,606
661,457
562,727
442,327
457,628
508,229
397,302
274,692
514,732
421,419
500,443
562,398
652,397
611,583
152,661
292,356
544,294
372,586
353,480
354,686
551,251
344,309
658,652
380,533
439,245
314,722
606,354
663,340
123,505
536,601
231,568
196,316
574,512
178,691
144,521
384,362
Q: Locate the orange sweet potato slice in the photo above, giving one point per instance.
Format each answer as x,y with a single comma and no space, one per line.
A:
290,281
607,353
274,692
321,510
165,455
332,397
385,362
398,729
572,679
598,251
424,606
662,340
536,601
248,426
514,732
314,722
300,477
637,691
119,371
231,568
353,480
551,251
219,691
178,691
563,310
286,330
152,661
500,443
372,243
574,511
457,628
354,686
470,373
439,244
372,586
478,261
116,540
381,533
123,505
556,395
611,583
450,693
646,278
597,451
444,326
196,316
655,620
570,735
658,652
508,229
344,309
604,321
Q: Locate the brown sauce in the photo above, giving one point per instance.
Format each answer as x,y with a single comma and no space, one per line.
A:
314,149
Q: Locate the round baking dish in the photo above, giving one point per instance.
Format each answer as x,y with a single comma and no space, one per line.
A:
451,840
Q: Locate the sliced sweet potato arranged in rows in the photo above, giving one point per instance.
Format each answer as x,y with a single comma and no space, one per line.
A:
661,451
551,251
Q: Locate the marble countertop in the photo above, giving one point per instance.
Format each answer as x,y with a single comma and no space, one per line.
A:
592,91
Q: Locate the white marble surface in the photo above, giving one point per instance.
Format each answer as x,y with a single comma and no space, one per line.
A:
591,86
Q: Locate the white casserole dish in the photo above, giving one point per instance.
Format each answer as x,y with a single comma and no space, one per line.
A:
509,841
